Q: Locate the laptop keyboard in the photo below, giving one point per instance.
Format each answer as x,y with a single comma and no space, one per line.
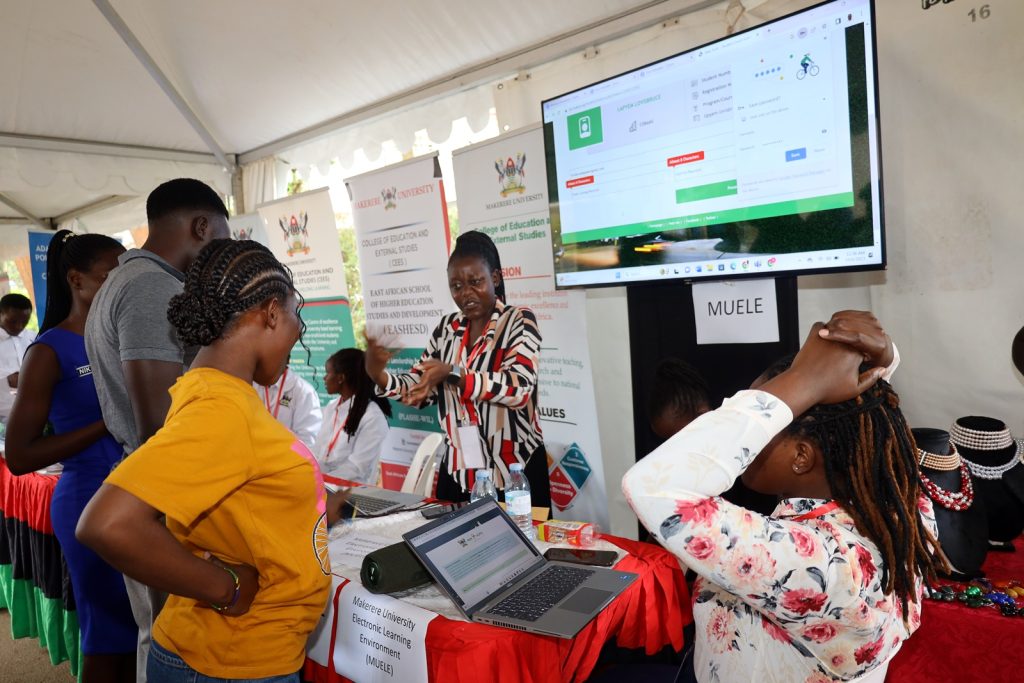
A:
531,601
368,505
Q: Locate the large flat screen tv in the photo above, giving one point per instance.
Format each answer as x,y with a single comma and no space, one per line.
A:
752,156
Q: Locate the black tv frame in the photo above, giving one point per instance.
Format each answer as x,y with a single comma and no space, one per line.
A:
727,275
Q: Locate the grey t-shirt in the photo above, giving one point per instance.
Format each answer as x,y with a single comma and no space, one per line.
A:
128,321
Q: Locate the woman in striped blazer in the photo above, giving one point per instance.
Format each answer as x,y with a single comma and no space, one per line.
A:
480,368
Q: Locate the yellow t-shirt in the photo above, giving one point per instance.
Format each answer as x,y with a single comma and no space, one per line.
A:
235,482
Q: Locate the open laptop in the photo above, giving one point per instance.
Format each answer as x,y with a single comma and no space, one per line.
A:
494,575
370,501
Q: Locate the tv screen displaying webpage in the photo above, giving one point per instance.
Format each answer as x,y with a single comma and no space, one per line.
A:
754,155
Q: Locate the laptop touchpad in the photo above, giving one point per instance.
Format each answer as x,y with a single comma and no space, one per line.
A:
585,600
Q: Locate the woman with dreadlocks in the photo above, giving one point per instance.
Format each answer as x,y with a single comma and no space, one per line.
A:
243,550
828,586
480,367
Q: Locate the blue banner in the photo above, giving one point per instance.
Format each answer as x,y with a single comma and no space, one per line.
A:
38,244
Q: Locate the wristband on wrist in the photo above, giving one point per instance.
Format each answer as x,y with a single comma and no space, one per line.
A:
234,598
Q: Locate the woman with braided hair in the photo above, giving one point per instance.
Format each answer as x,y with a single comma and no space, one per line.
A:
57,388
480,367
828,586
243,551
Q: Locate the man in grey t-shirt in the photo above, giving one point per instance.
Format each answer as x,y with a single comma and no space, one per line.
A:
134,352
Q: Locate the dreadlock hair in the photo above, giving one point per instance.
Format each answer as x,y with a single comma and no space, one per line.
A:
871,467
678,387
476,244
69,251
351,363
228,277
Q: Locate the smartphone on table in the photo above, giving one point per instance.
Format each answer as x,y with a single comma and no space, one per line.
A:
596,558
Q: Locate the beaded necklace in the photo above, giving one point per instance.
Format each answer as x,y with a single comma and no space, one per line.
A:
979,440
997,472
941,463
959,501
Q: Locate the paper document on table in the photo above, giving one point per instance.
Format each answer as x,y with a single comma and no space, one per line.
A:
350,549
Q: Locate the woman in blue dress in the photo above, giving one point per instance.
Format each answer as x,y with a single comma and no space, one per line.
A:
56,386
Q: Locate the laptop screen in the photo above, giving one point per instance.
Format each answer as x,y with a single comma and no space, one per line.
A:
474,553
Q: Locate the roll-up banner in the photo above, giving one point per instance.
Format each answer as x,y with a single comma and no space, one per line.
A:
502,189
303,235
402,236
38,245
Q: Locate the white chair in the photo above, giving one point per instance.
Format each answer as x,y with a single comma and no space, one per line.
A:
417,479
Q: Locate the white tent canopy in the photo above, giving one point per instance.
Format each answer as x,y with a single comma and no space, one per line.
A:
101,101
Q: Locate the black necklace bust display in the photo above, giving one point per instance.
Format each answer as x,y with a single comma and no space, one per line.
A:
994,458
960,515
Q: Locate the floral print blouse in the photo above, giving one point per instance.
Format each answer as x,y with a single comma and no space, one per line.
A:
795,597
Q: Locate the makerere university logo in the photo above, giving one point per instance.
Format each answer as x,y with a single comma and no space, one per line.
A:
390,197
242,233
296,236
512,175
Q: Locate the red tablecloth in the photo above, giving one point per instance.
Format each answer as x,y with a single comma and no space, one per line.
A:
650,614
27,498
34,583
962,645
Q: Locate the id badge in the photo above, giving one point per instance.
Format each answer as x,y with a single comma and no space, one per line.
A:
472,453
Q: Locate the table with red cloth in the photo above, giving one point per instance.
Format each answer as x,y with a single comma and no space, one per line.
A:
959,644
34,583
650,614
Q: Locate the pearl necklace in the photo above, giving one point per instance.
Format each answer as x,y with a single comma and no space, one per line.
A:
985,472
959,501
942,463
978,440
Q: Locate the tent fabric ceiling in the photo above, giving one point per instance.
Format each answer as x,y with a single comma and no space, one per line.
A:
283,68
252,73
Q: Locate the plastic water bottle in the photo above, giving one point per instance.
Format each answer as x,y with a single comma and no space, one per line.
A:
517,500
482,487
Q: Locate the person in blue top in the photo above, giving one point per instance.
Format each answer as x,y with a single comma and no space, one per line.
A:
56,387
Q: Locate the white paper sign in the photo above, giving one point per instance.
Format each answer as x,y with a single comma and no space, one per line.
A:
380,639
739,312
350,549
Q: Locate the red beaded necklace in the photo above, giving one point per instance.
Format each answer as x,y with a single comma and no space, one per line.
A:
959,501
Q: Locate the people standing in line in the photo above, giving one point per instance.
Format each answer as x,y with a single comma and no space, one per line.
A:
356,423
829,585
480,366
243,551
294,403
15,312
134,351
56,386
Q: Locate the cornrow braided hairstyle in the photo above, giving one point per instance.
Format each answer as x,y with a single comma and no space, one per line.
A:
351,363
69,251
477,244
678,387
871,466
228,277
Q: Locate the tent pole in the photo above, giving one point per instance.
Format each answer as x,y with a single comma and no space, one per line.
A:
121,28
4,199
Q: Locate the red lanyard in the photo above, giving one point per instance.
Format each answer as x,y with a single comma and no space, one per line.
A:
280,390
339,430
819,511
478,348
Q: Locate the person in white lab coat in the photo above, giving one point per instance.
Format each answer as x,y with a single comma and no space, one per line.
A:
355,424
15,311
294,403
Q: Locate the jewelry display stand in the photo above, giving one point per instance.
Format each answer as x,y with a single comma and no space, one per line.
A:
995,461
959,512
